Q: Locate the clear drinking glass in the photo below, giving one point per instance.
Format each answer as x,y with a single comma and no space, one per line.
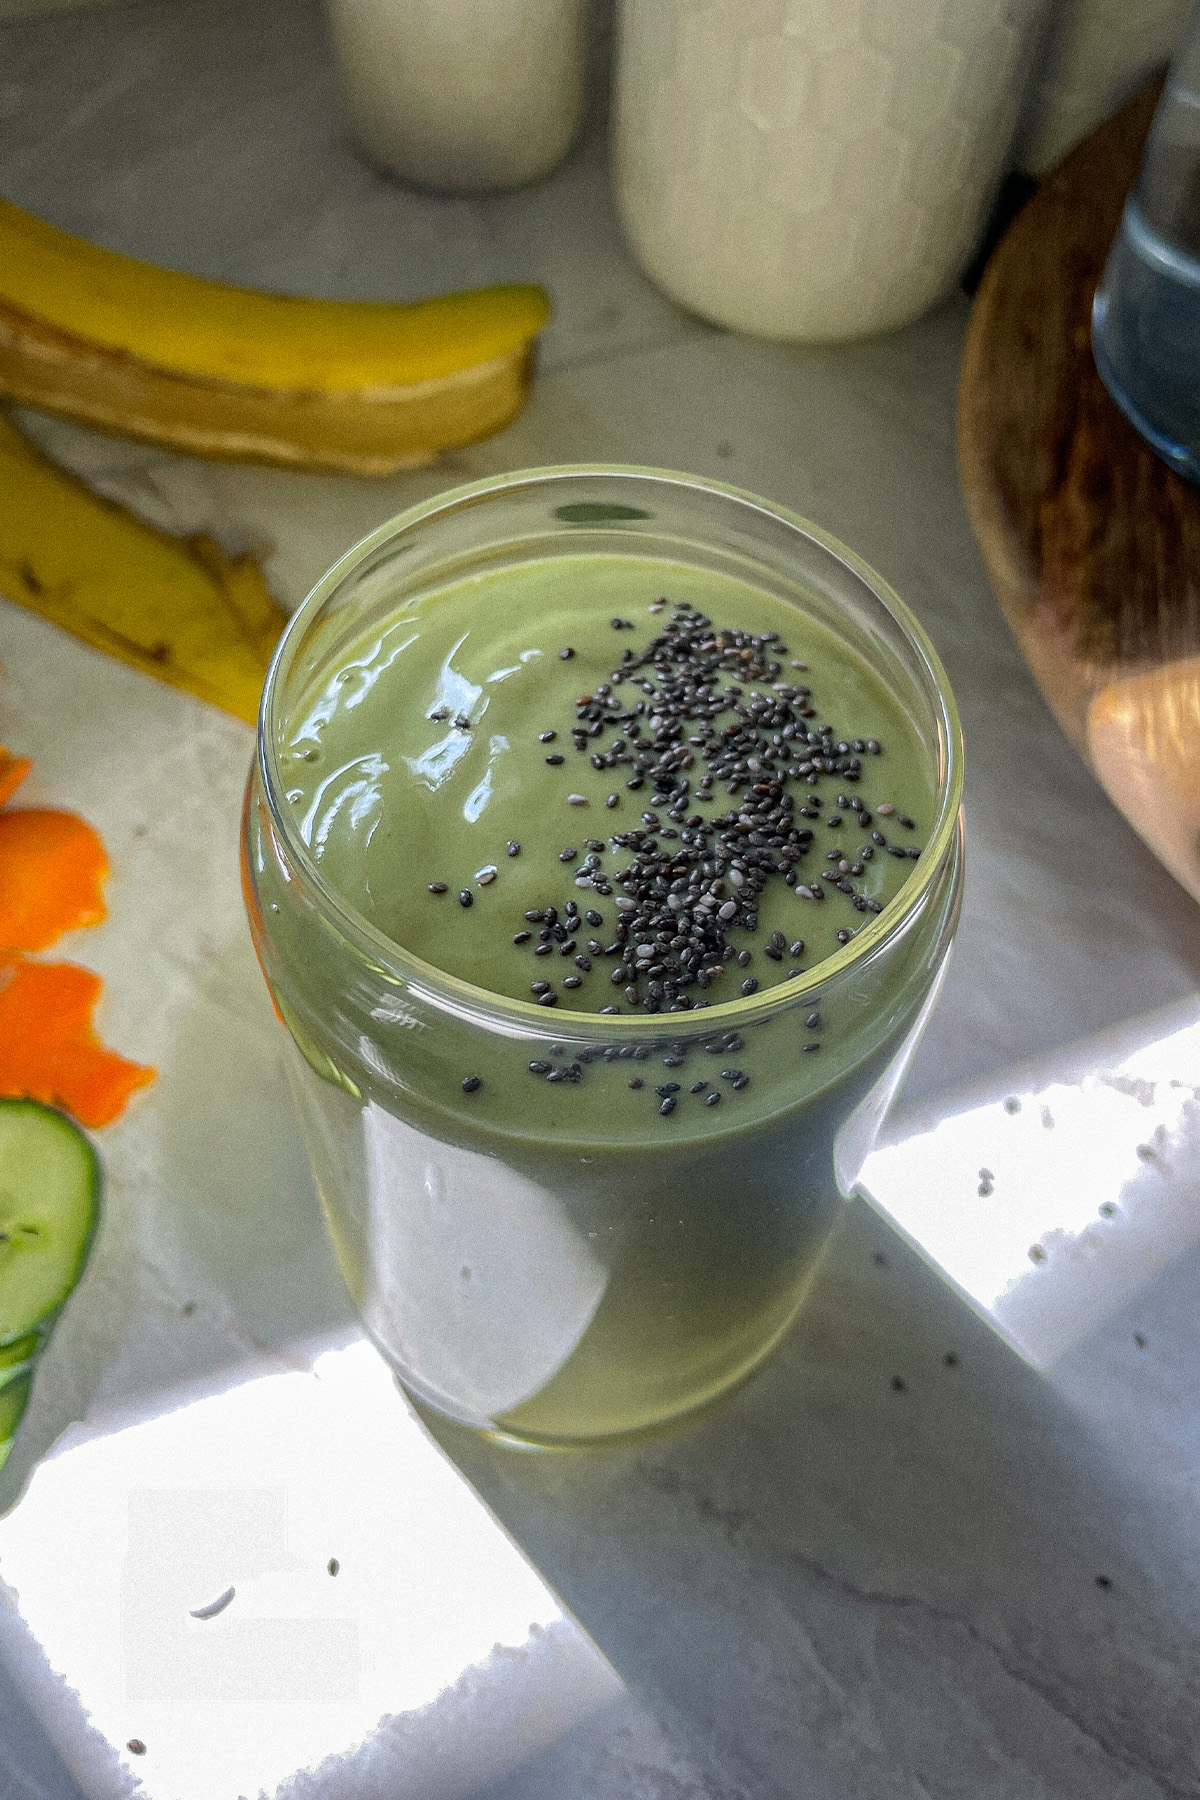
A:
1146,315
548,1282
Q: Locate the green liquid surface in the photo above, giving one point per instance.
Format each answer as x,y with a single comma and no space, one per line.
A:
394,795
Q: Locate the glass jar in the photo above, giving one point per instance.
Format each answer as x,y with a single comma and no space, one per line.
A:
1146,312
557,1279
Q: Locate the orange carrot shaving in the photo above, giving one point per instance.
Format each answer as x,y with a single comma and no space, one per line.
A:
13,770
52,865
51,868
48,1050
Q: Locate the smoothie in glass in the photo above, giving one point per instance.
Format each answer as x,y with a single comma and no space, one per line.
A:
602,858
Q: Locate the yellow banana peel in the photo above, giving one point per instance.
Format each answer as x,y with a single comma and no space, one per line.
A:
178,608
360,386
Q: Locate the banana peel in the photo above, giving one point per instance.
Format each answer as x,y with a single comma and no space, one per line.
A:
177,608
357,386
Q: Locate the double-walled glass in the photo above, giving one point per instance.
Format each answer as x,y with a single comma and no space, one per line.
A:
558,1274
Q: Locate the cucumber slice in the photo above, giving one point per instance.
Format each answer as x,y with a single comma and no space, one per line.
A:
14,1397
49,1202
17,1357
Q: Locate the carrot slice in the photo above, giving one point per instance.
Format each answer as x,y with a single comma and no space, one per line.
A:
13,770
51,868
48,1049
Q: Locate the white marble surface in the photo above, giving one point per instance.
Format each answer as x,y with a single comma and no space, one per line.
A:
831,1588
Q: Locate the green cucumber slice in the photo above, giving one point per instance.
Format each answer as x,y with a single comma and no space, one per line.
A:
49,1202
14,1397
20,1355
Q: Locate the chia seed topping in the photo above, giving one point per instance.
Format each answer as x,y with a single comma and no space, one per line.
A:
683,879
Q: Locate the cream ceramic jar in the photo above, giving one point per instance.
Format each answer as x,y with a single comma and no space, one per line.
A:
462,96
813,169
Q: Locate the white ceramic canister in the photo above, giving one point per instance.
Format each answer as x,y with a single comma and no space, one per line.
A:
813,169
462,96
1097,54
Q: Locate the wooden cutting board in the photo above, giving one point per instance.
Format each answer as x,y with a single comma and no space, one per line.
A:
1091,541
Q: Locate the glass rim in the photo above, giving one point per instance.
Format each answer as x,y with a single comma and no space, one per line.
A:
525,1017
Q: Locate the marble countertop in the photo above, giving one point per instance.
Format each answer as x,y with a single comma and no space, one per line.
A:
981,1583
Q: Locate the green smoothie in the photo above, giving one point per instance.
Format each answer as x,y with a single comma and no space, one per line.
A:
607,785
440,754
